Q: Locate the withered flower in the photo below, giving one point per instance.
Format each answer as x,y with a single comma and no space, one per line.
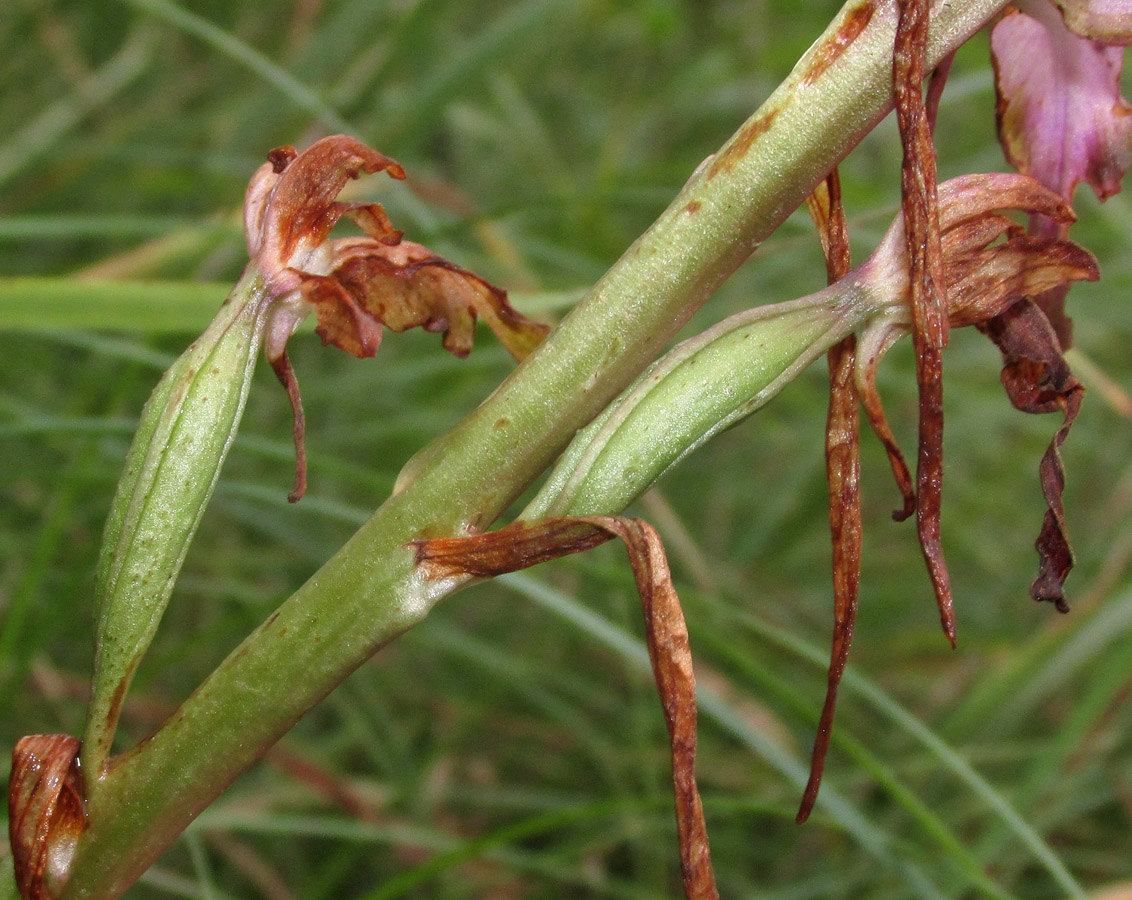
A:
989,266
355,286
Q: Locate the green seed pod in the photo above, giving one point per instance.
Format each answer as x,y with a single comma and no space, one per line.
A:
172,467
700,388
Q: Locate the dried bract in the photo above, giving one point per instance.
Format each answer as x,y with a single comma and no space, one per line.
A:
527,543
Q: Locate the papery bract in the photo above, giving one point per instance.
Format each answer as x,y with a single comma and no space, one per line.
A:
527,543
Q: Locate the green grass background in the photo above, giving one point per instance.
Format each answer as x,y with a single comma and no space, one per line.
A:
512,746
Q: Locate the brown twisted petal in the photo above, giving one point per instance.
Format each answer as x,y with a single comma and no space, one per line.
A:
45,809
407,286
1037,380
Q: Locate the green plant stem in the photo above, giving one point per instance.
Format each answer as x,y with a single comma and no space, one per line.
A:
370,591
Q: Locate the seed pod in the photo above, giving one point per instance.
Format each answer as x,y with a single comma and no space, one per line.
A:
183,437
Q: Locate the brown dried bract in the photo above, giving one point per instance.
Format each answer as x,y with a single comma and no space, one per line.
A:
843,472
523,544
356,286
45,810
929,301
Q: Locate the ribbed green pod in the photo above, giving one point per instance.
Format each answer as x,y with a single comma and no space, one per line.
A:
171,470
697,390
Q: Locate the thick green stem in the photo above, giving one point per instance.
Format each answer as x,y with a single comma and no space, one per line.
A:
370,591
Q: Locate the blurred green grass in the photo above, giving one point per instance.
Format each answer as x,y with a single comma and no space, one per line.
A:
511,746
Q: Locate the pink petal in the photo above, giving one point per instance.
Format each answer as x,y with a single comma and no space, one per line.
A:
1061,118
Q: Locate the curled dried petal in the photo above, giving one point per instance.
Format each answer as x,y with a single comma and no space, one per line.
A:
45,809
299,190
407,286
1037,379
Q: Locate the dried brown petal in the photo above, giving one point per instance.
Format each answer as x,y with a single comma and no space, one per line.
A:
524,544
1037,379
989,280
407,286
45,809
303,207
355,286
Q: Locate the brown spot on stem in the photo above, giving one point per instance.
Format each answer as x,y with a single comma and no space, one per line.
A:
502,423
693,207
741,144
827,53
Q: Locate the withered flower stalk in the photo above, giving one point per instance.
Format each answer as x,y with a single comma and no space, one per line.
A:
843,472
928,300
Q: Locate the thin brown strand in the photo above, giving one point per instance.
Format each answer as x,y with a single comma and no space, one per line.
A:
842,457
874,412
842,453
929,320
286,375
523,544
